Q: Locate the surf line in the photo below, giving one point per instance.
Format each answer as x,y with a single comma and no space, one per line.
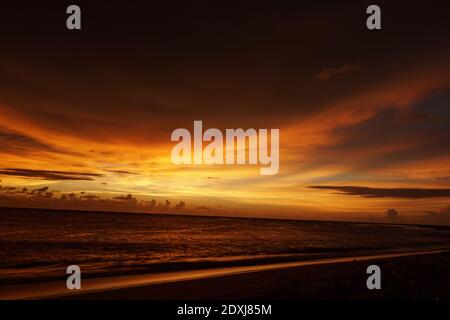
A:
231,150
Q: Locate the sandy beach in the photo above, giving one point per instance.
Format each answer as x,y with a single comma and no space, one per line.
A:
425,276
403,276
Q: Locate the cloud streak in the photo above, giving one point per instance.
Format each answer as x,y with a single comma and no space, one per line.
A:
328,73
49,174
121,171
405,193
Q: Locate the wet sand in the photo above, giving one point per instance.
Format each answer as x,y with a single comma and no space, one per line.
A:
404,274
406,277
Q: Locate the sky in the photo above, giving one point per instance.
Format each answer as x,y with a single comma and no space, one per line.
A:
86,116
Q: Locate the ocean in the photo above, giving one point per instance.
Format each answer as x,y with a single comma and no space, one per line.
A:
39,244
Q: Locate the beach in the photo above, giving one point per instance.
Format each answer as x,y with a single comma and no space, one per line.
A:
403,276
424,276
145,256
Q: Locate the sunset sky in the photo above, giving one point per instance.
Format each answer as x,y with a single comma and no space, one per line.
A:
86,116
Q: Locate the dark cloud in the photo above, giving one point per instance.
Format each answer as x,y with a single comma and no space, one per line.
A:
90,197
167,204
328,73
121,171
7,189
128,197
180,205
43,189
49,174
224,58
418,132
387,192
43,197
23,190
14,142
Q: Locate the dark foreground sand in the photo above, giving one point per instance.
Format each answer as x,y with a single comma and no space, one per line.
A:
412,277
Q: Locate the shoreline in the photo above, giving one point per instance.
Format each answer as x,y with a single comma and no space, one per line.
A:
102,286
